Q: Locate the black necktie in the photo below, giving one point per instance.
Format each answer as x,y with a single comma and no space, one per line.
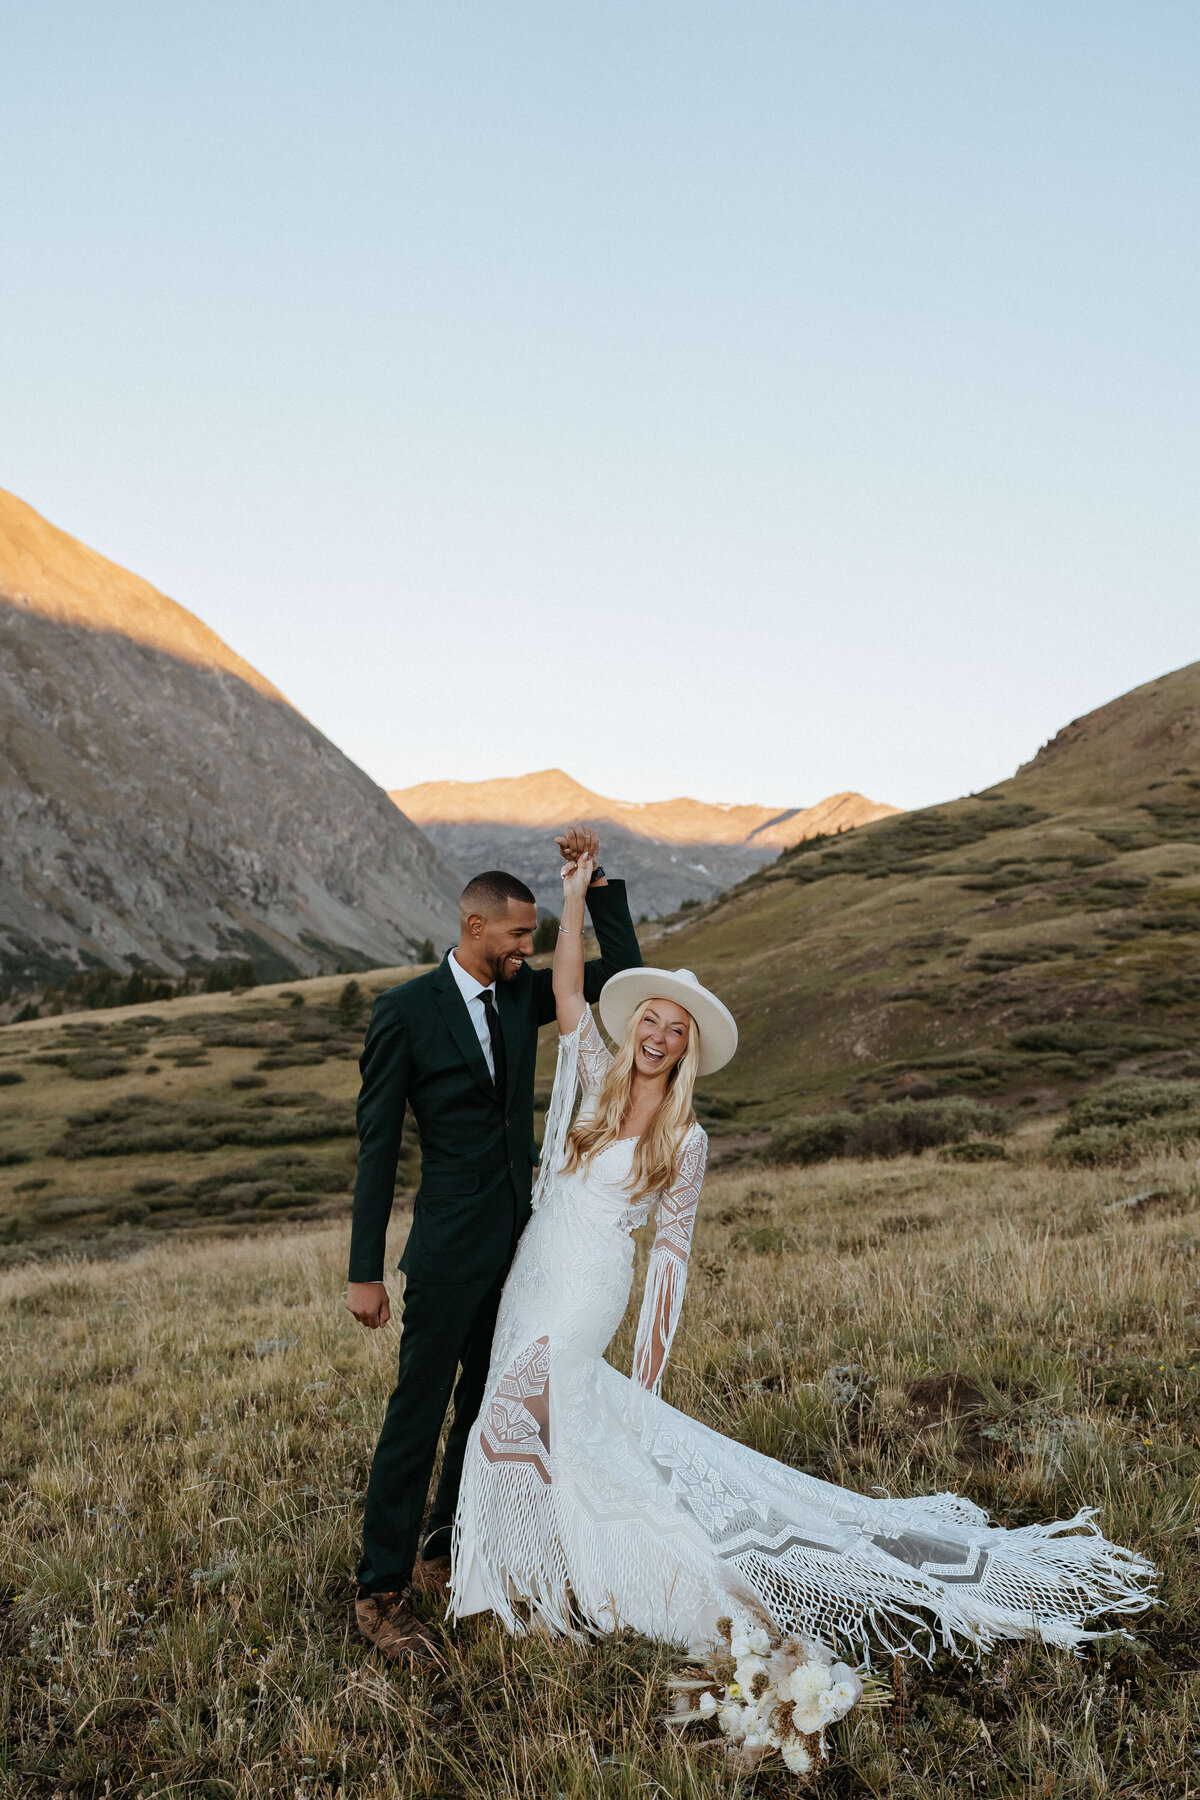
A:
493,1025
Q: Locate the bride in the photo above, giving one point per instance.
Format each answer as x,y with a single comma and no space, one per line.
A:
589,1503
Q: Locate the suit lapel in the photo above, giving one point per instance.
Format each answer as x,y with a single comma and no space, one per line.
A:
453,1009
510,1025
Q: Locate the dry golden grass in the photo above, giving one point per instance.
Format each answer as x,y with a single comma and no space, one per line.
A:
186,1435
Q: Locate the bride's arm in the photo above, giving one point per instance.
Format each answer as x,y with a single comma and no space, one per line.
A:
568,951
666,1277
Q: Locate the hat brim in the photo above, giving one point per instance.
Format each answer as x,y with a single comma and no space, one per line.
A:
623,994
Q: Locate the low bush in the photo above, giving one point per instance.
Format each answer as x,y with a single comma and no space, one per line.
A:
144,1124
95,1065
1127,1100
976,1150
10,1077
1123,1119
10,1158
1099,1146
892,1128
1172,990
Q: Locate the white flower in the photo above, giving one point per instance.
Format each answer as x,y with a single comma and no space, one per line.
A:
731,1718
707,1705
846,1690
797,1758
807,1681
748,1638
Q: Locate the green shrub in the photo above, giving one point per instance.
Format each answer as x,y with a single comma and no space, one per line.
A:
892,1128
128,1212
1095,1034
812,1140
977,1150
1100,1145
1172,990
1127,1100
10,1158
10,1077
145,1123
95,1065
298,1057
544,938
351,1007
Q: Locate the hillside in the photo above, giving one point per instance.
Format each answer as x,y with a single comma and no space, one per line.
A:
161,803
1014,942
669,850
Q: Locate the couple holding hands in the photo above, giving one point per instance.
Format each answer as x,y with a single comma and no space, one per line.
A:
571,1496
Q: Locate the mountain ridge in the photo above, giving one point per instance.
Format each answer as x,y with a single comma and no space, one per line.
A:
550,797
162,804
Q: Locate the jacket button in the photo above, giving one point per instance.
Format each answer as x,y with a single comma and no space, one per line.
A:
512,1162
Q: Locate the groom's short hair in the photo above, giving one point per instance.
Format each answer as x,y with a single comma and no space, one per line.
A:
489,894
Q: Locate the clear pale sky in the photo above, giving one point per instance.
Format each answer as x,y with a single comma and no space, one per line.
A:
749,400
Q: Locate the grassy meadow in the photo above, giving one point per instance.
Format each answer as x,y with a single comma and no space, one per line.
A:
187,1426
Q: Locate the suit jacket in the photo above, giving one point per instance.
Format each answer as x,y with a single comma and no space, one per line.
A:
477,1148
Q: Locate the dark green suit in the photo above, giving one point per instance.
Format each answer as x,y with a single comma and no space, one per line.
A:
477,1160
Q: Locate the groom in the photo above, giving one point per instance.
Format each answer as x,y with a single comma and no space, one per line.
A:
459,1047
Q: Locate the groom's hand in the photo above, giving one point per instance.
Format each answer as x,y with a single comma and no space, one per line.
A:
368,1301
578,841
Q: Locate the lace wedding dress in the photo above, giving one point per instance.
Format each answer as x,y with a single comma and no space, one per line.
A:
587,1501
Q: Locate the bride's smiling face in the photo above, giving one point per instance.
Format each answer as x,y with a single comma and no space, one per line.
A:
660,1037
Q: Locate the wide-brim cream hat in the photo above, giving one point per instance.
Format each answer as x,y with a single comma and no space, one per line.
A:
622,995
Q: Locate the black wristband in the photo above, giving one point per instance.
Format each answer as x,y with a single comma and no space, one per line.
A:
597,875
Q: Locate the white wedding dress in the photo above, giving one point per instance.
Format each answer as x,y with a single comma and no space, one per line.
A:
588,1502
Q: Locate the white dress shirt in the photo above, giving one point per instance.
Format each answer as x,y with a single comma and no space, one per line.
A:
472,992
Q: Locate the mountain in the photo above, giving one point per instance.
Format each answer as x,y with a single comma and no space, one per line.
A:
162,803
1016,941
669,850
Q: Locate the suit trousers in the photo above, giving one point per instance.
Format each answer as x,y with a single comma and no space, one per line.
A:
447,1326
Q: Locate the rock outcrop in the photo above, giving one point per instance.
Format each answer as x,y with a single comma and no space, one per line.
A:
161,803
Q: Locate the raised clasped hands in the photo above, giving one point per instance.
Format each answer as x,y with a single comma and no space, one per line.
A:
577,841
576,877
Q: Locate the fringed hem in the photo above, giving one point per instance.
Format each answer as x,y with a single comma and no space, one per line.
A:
1047,1581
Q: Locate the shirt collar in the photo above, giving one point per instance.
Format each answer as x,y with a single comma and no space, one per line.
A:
468,987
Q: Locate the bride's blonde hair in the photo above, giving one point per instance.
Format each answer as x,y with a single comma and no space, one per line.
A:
656,1158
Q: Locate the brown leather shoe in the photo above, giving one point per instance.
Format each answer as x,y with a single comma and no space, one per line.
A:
431,1577
387,1621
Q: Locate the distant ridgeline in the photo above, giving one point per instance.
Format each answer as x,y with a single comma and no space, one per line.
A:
673,854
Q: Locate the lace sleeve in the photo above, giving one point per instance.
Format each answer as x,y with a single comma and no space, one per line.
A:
582,1059
666,1277
594,1058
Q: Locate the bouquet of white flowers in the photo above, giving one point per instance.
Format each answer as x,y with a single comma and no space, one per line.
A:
769,1694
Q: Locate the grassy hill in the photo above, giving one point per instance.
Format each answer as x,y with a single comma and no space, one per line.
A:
1017,942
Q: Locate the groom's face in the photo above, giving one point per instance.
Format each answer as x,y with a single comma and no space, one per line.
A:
506,941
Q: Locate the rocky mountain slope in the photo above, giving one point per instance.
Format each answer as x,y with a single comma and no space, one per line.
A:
161,802
1016,941
669,850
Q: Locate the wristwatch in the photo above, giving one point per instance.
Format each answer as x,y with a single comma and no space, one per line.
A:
597,875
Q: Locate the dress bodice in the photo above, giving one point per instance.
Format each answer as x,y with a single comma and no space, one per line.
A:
600,1193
